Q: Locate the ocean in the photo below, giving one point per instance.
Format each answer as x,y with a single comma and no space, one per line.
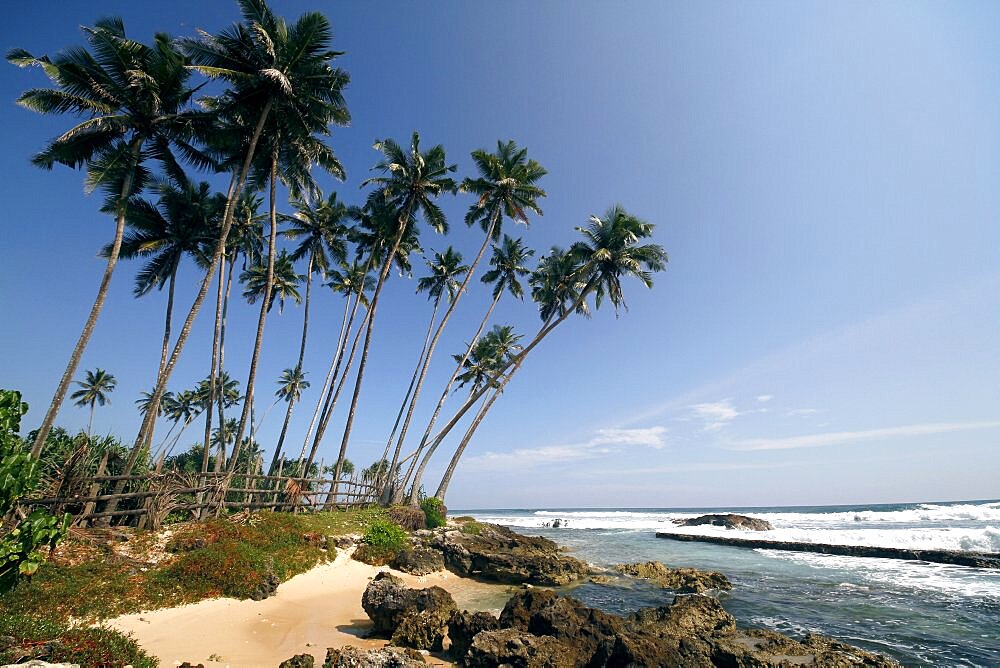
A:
922,614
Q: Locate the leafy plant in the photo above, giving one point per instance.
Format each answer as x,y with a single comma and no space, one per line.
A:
385,535
21,548
435,512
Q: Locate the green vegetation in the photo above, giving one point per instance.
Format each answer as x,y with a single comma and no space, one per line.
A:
62,643
435,513
471,528
21,547
381,542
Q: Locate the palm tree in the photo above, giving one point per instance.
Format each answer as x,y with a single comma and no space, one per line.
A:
226,395
94,390
498,346
439,284
270,66
411,181
506,188
184,407
291,384
135,99
284,282
182,222
610,251
508,262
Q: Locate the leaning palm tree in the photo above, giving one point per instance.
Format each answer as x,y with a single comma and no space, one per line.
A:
441,283
506,187
410,183
508,266
94,390
135,98
271,67
610,250
291,384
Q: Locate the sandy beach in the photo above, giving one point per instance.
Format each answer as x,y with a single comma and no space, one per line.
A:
310,612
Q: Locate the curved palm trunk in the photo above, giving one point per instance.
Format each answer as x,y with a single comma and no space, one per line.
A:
298,365
95,311
450,471
341,342
413,379
165,348
414,488
227,222
90,422
398,494
216,337
265,303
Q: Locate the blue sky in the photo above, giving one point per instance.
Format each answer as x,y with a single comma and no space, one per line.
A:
823,175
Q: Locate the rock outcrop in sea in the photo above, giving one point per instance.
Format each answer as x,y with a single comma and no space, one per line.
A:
684,580
729,521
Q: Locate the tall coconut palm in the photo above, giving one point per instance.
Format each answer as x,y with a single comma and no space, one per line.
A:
441,283
506,187
182,407
499,346
95,389
270,66
284,282
610,250
182,222
135,98
410,183
226,395
508,266
291,384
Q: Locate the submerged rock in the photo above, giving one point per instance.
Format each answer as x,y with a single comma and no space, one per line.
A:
501,555
729,520
350,656
685,580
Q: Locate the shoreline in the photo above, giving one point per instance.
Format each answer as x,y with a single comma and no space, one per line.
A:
308,613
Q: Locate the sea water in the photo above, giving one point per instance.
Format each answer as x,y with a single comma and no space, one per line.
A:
922,614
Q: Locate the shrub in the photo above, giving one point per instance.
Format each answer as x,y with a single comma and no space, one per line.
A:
471,528
382,541
435,512
60,642
408,517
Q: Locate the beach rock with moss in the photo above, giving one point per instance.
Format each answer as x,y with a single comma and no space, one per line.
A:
350,656
683,580
495,553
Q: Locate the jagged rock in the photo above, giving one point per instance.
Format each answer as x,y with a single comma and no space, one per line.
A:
690,615
730,521
412,617
342,542
464,626
687,580
498,554
266,586
419,561
299,661
426,627
350,656
518,649
760,647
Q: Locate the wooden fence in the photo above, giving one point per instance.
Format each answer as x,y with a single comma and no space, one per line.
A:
148,499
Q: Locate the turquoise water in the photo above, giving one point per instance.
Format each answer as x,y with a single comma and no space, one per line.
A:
922,614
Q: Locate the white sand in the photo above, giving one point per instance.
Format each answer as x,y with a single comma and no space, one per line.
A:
315,610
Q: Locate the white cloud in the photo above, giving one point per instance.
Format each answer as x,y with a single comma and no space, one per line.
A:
797,412
845,437
764,397
716,415
605,442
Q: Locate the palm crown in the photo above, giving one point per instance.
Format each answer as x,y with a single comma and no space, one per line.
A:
508,261
445,269
505,187
95,389
284,285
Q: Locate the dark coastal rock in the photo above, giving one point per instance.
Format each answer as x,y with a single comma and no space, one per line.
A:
691,615
418,561
974,559
415,618
266,585
350,656
299,661
730,521
686,580
498,554
759,647
518,649
464,626
408,517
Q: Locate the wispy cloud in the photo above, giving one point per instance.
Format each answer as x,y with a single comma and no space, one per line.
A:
763,398
844,437
798,412
715,415
604,442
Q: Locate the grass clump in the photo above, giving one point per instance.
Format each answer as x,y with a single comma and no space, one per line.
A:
471,528
435,512
55,641
381,542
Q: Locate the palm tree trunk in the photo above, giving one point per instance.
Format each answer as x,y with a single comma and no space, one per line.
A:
90,422
341,342
216,338
413,379
397,496
446,478
95,311
221,371
227,222
298,365
96,486
164,349
264,306
437,409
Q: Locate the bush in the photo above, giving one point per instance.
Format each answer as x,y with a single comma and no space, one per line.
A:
60,642
382,541
408,517
471,528
435,512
